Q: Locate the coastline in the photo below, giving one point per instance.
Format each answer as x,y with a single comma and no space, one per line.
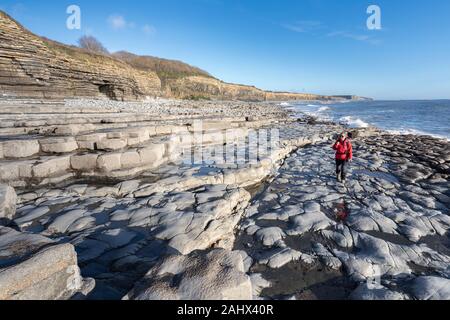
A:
385,115
98,180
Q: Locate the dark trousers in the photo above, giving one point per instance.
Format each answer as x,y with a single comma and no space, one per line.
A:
340,168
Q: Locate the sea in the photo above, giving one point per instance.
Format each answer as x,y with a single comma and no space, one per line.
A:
418,117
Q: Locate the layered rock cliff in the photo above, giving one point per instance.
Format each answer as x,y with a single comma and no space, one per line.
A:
38,68
34,67
210,88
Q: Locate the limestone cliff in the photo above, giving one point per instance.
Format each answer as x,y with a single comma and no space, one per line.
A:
31,66
210,88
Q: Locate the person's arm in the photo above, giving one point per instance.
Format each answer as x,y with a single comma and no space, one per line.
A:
350,151
335,145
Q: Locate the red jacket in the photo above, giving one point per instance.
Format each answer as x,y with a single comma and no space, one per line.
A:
344,150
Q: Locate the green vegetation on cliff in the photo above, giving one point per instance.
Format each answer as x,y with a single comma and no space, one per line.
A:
164,68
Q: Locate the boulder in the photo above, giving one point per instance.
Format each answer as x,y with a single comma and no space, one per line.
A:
50,274
202,275
8,200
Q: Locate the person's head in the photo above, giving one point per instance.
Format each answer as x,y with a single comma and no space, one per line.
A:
343,136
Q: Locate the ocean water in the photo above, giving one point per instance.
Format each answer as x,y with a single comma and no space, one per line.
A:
430,117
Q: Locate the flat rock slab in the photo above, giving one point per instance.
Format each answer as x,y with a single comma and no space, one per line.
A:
379,224
431,288
50,274
16,246
8,200
202,275
372,292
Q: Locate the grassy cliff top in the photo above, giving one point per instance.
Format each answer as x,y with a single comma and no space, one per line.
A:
164,68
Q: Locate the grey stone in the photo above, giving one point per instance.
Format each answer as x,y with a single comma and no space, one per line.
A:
8,199
431,288
50,274
270,236
211,275
373,291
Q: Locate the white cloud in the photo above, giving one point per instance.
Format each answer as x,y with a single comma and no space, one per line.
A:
353,36
117,22
319,29
303,26
149,30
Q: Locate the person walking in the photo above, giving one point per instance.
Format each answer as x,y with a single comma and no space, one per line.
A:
344,154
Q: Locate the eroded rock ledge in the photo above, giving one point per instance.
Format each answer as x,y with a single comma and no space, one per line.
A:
152,232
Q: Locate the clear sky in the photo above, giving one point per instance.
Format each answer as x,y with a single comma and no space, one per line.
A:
317,46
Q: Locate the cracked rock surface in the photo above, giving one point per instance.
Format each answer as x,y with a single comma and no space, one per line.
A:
389,223
273,224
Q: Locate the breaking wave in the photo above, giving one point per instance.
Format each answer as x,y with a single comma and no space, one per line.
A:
417,133
354,122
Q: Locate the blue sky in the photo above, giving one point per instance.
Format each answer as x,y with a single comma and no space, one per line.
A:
317,46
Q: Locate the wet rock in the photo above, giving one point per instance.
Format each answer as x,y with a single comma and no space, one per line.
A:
82,224
63,222
270,236
258,284
16,246
341,236
311,221
213,275
31,215
326,256
373,291
431,288
116,238
311,207
89,249
213,223
127,187
377,257
279,257
251,230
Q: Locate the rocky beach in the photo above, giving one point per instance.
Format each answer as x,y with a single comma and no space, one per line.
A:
176,199
128,177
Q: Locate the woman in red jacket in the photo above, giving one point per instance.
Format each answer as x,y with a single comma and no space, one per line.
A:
344,154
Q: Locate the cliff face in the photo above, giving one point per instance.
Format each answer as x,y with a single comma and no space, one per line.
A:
33,67
202,87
